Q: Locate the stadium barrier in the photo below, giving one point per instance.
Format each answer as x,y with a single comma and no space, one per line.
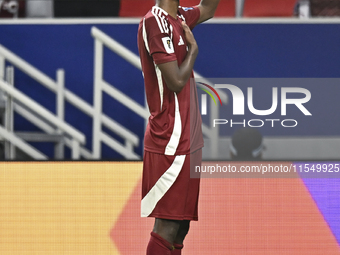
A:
86,208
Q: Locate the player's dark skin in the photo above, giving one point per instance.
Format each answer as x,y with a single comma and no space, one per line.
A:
174,231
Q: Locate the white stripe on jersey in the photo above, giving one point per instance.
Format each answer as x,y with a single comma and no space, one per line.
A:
176,132
145,38
160,84
158,72
153,11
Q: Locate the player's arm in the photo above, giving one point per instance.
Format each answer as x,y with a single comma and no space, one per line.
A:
207,9
177,76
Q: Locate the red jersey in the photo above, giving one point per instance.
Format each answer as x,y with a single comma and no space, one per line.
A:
174,126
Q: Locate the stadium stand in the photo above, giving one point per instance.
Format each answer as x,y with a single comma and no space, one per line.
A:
268,8
86,8
322,8
137,8
252,8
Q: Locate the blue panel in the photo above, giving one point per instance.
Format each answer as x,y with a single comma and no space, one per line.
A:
268,50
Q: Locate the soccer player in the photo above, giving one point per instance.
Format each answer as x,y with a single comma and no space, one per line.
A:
173,139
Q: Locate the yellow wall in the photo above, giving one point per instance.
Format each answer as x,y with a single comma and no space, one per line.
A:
92,208
62,207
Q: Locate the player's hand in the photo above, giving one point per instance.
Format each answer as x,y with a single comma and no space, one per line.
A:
190,39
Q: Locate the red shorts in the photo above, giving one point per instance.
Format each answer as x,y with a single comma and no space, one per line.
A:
168,192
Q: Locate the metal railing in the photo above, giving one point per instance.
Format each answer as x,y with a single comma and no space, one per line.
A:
63,94
25,147
100,86
74,138
77,137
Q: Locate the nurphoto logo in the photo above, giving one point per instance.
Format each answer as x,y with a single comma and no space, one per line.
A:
300,97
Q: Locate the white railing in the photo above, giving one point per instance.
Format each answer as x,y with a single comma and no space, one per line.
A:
62,95
58,125
100,86
8,118
77,137
101,40
25,147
